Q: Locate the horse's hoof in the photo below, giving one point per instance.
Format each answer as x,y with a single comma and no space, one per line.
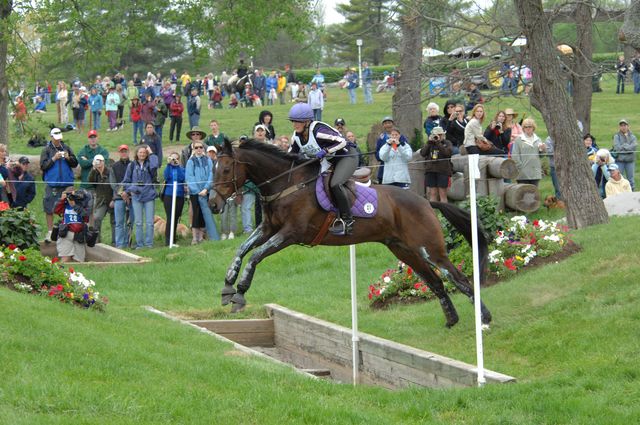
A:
227,293
238,302
451,324
237,308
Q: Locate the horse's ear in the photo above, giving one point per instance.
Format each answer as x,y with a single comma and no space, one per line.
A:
227,147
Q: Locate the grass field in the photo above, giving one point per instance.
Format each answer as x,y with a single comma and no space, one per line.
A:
567,331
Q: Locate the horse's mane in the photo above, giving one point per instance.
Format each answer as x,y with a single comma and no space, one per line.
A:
270,150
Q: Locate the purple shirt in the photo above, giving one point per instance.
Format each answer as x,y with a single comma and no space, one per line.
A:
167,96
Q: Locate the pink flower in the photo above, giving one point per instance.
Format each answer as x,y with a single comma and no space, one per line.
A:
417,285
508,263
536,223
423,289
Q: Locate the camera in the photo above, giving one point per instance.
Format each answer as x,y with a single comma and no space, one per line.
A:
499,125
75,196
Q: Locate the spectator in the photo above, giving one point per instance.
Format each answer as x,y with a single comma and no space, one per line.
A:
396,154
367,82
283,143
25,187
216,138
340,126
260,85
7,175
352,85
20,116
185,80
291,81
62,99
511,126
496,134
199,178
437,154
152,140
282,87
315,99
318,78
433,118
136,119
302,93
260,133
272,88
41,105
388,125
79,101
138,181
526,154
635,72
625,144
175,113
131,92
616,183
162,112
75,207
266,118
474,140
193,109
351,137
123,99
57,162
148,113
242,69
113,101
590,147
233,101
216,98
475,97
86,156
601,170
96,104
621,70
456,128
100,177
550,150
188,150
121,202
174,172
247,96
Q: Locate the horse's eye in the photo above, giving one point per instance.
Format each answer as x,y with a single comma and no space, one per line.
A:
226,170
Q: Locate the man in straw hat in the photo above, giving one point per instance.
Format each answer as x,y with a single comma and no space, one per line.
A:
194,135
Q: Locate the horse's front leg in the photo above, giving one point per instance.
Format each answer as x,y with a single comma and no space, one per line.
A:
276,243
257,237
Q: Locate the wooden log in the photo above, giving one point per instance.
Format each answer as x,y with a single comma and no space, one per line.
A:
497,167
522,197
459,189
416,173
496,188
256,332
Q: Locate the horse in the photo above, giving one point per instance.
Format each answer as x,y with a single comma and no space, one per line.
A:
405,222
236,85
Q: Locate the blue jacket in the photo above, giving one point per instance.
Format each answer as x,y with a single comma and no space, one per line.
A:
272,83
25,191
139,179
95,102
58,173
199,174
353,81
174,173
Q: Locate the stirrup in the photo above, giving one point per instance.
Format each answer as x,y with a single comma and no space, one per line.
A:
341,227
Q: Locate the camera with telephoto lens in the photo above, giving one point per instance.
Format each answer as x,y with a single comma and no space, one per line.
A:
75,196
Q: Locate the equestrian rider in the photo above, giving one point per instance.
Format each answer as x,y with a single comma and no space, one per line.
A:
316,139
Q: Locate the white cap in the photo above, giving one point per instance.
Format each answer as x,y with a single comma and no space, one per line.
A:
212,148
98,158
56,133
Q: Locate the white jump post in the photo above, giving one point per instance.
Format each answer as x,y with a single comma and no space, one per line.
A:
474,173
173,214
354,314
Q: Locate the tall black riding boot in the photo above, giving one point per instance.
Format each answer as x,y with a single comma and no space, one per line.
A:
343,225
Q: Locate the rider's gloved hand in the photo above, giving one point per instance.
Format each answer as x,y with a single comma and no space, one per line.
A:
321,154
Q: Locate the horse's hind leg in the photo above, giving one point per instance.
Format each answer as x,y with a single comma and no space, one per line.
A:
417,263
459,280
257,237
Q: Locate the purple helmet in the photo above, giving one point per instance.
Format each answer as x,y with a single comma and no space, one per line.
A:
301,112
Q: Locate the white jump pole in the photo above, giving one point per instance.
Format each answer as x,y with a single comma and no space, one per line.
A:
474,173
354,314
173,214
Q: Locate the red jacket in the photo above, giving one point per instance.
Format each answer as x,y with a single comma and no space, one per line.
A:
176,109
136,112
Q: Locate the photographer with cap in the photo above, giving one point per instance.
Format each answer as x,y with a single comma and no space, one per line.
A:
74,206
57,162
25,187
437,153
86,156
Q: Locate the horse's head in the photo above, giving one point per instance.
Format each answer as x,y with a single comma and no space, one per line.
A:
230,175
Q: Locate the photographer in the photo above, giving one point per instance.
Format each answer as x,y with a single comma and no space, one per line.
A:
396,154
601,170
74,207
497,133
174,172
99,178
437,153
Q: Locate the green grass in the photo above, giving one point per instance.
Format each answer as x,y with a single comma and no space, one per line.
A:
567,331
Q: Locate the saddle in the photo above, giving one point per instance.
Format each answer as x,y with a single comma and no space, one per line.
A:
364,199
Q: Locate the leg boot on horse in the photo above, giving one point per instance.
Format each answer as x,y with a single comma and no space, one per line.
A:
344,224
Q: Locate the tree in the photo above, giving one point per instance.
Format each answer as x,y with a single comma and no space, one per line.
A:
407,100
367,20
584,206
630,31
6,7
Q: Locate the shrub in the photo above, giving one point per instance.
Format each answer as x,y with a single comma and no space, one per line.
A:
18,226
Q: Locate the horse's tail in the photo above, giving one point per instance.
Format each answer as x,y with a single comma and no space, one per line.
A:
461,220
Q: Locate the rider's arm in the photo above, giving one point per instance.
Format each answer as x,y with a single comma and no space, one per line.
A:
329,139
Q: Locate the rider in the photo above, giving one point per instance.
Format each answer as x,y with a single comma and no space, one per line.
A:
316,139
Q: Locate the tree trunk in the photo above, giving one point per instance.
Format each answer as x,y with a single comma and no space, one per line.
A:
6,6
630,30
584,205
406,100
582,81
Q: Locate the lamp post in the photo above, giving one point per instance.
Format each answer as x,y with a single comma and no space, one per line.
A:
359,44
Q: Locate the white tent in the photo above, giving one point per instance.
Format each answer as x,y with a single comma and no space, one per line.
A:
429,52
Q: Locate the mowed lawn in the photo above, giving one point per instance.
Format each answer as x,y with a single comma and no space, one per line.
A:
567,331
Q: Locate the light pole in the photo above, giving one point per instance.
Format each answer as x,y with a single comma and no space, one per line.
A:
359,44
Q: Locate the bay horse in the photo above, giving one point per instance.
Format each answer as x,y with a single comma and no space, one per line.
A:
405,222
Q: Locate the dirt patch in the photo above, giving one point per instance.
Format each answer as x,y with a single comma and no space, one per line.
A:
492,279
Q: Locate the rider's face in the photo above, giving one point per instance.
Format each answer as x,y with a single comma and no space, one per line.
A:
298,126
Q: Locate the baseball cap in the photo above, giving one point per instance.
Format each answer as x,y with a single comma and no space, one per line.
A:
212,148
123,148
260,127
339,121
623,121
92,133
387,118
56,133
98,158
23,160
613,167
